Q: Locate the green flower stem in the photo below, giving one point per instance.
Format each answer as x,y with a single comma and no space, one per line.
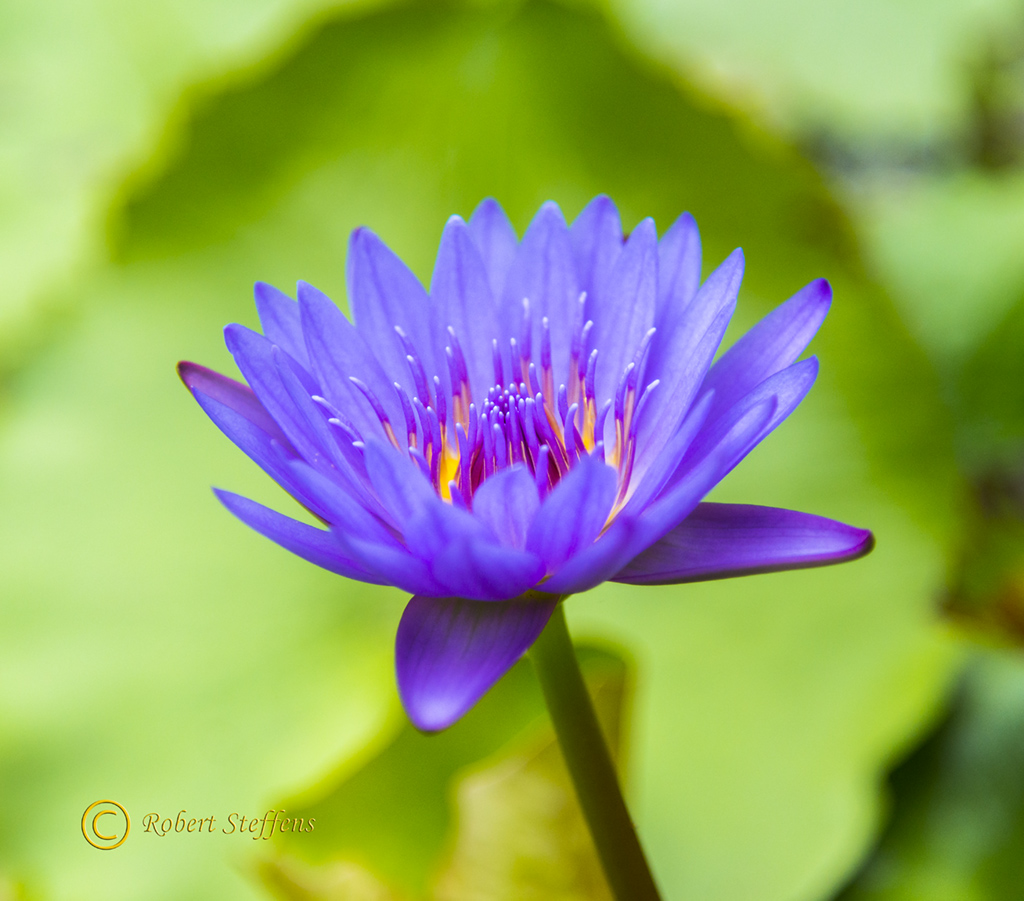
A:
590,764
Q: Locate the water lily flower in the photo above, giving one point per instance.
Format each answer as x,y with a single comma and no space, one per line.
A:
548,416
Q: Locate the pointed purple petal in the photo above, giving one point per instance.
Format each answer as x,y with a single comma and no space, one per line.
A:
338,352
770,346
279,319
384,293
544,271
506,503
623,308
574,513
315,545
681,352
720,541
312,419
235,395
465,559
648,484
393,564
462,294
788,388
679,260
450,651
628,535
255,356
599,561
400,484
596,236
345,511
371,540
689,487
481,570
269,453
496,240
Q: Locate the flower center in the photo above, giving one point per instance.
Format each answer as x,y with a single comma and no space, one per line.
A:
459,440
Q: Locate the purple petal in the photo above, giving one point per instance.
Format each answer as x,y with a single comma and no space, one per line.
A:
384,293
544,271
506,503
465,560
648,484
692,483
681,352
628,535
679,260
400,484
325,452
337,353
574,513
430,527
461,292
315,545
255,356
279,318
450,651
598,562
770,346
623,308
787,388
345,511
483,571
269,453
371,540
719,541
596,236
496,240
328,452
393,564
230,393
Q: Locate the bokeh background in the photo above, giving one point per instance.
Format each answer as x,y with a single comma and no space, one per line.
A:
850,733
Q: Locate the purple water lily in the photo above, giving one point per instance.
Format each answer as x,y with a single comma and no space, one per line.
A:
547,417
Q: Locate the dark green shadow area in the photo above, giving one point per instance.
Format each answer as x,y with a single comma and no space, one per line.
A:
957,826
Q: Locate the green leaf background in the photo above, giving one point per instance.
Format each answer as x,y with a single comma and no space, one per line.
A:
154,651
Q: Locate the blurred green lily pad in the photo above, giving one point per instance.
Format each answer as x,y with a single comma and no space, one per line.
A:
957,824
86,87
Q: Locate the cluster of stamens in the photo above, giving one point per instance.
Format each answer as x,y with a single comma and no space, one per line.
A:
524,418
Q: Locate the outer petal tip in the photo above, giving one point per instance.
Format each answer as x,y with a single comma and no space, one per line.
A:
601,202
233,332
232,502
823,288
863,548
359,243
550,208
265,289
720,541
646,225
488,205
186,372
